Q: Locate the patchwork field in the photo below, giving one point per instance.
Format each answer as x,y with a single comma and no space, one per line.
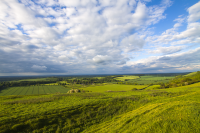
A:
33,90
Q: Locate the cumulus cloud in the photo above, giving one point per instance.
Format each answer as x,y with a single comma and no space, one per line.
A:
194,12
132,43
101,59
100,36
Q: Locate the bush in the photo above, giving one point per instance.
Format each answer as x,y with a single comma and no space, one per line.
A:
77,90
74,91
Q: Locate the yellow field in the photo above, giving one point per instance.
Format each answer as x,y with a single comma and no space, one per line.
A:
127,77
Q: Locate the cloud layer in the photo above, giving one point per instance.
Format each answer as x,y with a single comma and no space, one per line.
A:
93,36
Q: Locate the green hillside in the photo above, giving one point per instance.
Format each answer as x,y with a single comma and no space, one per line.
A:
148,110
183,80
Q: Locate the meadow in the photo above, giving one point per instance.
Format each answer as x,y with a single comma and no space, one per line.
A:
33,90
102,108
161,110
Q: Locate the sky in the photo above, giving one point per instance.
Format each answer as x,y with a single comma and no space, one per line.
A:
68,37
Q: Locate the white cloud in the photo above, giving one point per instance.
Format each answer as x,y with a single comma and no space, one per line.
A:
194,12
101,59
184,61
132,43
189,35
64,35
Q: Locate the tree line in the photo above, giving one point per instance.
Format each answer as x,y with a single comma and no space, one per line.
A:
89,80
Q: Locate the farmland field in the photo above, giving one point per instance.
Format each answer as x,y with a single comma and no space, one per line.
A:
126,77
108,107
151,79
113,87
33,90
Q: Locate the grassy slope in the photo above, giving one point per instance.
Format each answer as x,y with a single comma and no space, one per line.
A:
166,110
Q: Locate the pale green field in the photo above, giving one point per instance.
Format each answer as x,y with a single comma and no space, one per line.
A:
126,77
113,87
151,78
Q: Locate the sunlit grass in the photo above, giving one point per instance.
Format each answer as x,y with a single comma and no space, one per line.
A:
149,110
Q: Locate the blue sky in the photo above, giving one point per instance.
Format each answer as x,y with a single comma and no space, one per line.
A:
47,37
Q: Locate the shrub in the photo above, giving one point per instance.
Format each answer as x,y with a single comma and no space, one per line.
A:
74,91
77,91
